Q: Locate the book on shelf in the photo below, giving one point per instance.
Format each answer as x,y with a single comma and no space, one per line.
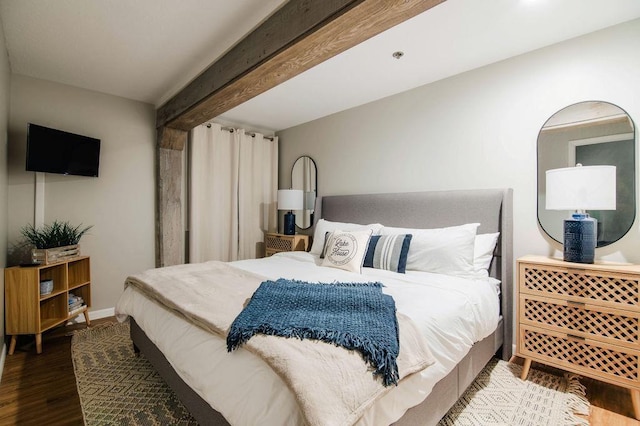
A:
75,305
77,309
74,299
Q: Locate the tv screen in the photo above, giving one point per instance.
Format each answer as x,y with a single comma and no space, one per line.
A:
55,151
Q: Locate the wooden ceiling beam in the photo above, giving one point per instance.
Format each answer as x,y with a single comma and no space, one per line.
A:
298,36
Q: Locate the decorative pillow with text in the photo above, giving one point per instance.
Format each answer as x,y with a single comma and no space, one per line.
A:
346,250
324,226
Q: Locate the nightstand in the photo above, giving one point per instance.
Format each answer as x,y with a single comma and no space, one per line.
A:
582,318
275,243
28,311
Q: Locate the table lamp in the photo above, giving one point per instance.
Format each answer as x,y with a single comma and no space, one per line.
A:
579,189
290,199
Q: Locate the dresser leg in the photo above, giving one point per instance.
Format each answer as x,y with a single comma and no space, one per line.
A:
39,343
635,399
525,368
86,317
12,345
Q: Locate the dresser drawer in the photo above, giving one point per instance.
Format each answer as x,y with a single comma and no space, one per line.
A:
278,243
617,290
585,320
274,243
610,363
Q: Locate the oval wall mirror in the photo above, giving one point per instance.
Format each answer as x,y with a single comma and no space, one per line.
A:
304,176
590,133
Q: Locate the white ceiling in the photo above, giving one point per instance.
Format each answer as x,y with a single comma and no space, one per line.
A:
148,50
145,50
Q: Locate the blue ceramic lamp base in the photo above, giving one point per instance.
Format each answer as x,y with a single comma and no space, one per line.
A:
580,238
289,224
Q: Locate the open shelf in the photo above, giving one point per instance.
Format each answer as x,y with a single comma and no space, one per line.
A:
57,273
52,294
49,323
79,272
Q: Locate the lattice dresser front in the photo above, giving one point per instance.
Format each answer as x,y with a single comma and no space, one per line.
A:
274,243
582,318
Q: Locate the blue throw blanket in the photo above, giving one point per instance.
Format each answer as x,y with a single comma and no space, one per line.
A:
356,316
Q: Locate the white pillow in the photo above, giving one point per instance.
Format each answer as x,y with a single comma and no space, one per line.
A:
324,226
483,249
346,250
440,250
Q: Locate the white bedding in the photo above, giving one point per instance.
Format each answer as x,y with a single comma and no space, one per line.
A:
453,313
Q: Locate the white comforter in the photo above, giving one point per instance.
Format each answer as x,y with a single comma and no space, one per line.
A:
453,313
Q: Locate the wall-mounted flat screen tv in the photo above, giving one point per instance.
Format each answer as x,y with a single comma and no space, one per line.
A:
55,151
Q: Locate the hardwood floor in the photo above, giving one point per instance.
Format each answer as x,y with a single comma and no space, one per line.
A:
610,405
41,389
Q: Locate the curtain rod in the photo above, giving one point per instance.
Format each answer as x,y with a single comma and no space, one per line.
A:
231,130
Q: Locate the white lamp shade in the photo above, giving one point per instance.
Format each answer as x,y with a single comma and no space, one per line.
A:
581,188
290,199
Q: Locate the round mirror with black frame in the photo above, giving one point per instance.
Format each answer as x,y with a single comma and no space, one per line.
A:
590,133
304,176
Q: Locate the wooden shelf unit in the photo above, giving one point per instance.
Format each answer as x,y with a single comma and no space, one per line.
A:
582,318
29,312
275,243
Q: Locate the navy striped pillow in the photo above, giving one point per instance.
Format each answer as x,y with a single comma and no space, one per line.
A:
388,252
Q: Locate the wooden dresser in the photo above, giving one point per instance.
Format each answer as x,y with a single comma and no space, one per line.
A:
582,318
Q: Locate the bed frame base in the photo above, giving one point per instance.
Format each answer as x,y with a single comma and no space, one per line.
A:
198,407
449,389
445,393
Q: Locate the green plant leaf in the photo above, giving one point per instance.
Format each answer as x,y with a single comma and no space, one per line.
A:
56,234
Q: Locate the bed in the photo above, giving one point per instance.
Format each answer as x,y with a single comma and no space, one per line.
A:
431,393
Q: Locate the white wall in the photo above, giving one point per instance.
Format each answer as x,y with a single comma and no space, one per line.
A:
119,203
474,130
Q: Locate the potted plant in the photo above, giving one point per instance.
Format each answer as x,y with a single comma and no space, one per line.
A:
54,242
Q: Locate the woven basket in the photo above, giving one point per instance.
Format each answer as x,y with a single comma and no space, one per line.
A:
56,254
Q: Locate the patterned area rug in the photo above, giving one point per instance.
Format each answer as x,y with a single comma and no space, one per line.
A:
499,397
116,387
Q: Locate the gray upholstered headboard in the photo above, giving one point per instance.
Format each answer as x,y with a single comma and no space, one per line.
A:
492,208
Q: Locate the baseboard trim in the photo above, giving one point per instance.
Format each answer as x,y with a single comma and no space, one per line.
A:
3,358
93,315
